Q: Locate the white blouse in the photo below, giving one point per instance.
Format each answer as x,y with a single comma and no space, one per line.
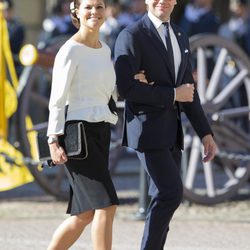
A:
84,78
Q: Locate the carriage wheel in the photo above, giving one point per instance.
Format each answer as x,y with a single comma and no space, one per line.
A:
222,72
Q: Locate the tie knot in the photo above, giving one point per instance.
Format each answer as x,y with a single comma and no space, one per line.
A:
166,25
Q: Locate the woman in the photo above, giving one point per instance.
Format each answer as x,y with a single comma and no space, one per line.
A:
84,78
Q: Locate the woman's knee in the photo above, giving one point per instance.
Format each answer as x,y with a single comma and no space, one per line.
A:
111,210
106,213
84,218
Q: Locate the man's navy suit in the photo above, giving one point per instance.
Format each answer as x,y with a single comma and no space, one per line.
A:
152,118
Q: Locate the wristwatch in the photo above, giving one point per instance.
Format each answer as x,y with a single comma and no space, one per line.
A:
52,139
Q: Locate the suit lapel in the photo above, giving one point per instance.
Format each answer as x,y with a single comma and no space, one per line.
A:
150,30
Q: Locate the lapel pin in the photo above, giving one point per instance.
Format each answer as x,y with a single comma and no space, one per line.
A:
179,34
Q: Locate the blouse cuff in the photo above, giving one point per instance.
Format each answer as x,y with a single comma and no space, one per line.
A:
56,122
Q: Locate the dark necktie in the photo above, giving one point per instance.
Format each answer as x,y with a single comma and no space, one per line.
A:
169,48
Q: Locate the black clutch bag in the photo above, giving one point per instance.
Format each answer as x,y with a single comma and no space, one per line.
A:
73,141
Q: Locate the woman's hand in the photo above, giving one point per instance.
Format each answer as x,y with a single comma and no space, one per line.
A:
142,77
57,153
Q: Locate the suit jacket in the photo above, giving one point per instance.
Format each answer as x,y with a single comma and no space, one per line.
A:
152,118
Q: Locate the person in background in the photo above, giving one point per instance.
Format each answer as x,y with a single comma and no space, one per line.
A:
55,27
59,23
237,29
199,17
131,11
111,27
160,50
138,9
125,15
16,33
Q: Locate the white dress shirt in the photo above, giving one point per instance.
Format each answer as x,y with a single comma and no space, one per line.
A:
176,49
84,78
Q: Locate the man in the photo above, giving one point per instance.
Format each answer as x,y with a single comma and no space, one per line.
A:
152,111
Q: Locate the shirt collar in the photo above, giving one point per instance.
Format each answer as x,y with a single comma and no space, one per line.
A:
155,20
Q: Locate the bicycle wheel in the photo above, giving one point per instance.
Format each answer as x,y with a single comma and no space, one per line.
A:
222,72
35,83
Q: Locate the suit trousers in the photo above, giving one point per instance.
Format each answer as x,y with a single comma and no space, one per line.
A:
166,191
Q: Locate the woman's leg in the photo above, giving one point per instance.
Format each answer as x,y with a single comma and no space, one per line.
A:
101,230
70,230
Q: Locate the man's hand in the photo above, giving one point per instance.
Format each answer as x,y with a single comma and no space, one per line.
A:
185,93
210,148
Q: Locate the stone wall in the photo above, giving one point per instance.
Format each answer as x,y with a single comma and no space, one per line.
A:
31,13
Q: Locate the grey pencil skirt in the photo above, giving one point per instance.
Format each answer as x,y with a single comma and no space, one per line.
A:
91,186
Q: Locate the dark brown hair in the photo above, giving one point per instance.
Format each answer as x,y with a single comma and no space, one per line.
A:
74,5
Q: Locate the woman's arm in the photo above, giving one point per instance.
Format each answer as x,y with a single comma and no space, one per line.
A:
63,72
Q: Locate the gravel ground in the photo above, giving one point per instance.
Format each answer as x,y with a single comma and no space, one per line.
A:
28,223
28,218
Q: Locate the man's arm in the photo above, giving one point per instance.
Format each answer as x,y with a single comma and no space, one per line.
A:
128,63
194,110
198,119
